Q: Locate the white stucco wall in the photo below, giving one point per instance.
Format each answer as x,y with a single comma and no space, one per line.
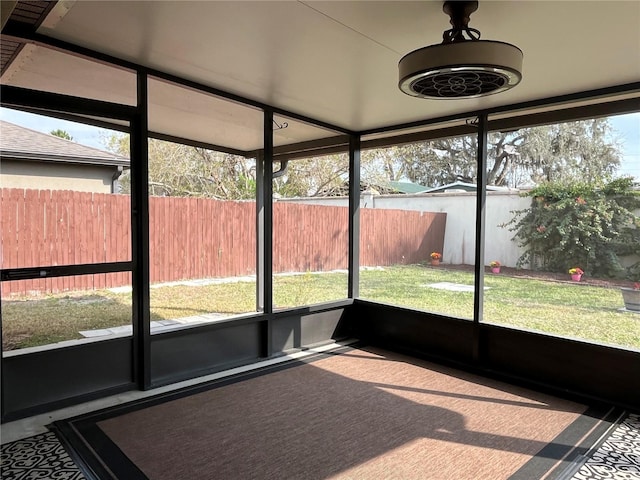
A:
459,240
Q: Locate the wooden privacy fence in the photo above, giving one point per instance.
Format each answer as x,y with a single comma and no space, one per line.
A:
60,227
195,238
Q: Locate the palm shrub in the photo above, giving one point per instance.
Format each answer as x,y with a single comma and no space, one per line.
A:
591,225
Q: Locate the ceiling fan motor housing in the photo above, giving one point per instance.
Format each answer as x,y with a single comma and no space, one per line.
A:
467,69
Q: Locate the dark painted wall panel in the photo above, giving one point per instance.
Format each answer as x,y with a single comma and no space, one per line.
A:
594,370
557,364
301,330
192,352
321,327
52,376
286,334
420,332
42,379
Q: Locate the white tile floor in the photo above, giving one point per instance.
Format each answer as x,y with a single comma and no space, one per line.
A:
618,458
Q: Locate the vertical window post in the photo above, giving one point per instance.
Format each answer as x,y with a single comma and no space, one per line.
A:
353,289
140,237
264,244
481,197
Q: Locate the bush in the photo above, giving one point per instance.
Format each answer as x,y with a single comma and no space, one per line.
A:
585,224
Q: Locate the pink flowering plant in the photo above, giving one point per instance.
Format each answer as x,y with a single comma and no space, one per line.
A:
575,222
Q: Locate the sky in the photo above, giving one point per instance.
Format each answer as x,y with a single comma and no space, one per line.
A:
626,127
83,134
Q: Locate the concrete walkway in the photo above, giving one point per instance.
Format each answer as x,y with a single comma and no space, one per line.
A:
156,326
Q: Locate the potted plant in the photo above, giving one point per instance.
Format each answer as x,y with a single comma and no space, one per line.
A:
576,273
495,266
631,297
435,258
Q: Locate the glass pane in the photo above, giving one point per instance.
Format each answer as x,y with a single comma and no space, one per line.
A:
311,231
202,211
418,225
575,211
78,308
60,200
202,248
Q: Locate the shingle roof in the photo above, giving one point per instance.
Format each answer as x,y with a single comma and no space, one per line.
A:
468,187
407,187
22,143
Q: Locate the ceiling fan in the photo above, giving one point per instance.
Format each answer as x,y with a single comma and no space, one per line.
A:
462,66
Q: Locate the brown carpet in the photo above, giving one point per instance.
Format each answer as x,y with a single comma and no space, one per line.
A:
362,414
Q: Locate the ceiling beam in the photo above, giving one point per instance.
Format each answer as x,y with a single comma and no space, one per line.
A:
571,114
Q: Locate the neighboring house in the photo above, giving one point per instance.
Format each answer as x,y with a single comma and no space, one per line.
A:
457,187
386,188
31,159
408,187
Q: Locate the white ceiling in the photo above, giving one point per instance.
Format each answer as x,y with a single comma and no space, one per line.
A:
333,61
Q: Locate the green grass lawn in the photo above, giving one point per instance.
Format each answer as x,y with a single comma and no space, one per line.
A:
567,309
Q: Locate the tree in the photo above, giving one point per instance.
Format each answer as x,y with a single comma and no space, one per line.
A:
181,170
314,177
61,133
433,163
559,152
570,151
